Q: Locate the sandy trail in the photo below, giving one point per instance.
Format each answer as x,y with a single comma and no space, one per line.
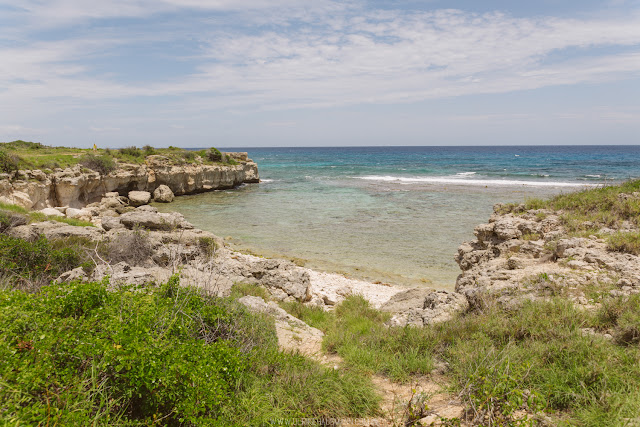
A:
396,397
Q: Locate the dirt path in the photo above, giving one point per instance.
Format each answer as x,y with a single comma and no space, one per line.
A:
398,400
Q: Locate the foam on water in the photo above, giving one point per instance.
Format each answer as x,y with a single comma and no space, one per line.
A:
461,179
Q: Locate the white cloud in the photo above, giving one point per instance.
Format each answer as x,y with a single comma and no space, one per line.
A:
353,56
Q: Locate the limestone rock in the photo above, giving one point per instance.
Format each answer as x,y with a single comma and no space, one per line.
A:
111,223
153,220
163,194
274,273
76,187
112,202
73,213
418,307
77,274
24,232
139,198
293,334
123,274
55,230
147,208
51,212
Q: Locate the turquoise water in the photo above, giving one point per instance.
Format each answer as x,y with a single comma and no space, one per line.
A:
391,214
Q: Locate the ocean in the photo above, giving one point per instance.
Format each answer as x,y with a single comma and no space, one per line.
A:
391,214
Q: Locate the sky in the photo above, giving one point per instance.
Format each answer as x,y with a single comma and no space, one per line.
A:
259,73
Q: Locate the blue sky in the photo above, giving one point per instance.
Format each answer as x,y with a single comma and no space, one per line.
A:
247,73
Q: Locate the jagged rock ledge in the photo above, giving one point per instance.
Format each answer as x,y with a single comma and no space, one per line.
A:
530,255
77,187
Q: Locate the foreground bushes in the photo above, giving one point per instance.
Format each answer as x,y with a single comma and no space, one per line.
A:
78,354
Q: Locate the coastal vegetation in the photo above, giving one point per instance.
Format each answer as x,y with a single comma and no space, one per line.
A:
585,212
521,367
19,154
12,215
105,353
91,353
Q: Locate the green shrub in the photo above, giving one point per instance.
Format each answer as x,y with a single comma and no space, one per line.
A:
10,219
604,205
102,164
628,242
214,155
148,150
188,156
77,354
19,144
37,262
142,351
8,162
208,245
130,151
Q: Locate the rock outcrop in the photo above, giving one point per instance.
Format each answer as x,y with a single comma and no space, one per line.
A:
419,307
293,333
138,245
522,255
77,187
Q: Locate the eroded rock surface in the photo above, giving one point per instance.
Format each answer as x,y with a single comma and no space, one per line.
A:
293,333
523,255
419,307
77,187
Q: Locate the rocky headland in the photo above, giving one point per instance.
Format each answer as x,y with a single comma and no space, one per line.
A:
78,186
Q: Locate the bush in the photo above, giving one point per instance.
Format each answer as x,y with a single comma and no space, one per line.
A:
214,155
77,354
130,151
21,145
148,150
628,242
10,219
8,162
81,351
102,164
189,156
37,263
208,245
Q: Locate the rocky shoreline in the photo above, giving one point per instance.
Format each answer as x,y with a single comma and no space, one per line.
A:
78,186
519,255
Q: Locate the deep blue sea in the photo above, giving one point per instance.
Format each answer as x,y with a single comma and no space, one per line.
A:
391,214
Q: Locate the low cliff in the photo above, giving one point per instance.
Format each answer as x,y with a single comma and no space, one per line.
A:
77,186
532,254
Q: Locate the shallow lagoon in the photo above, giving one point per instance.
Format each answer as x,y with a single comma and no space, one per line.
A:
394,215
